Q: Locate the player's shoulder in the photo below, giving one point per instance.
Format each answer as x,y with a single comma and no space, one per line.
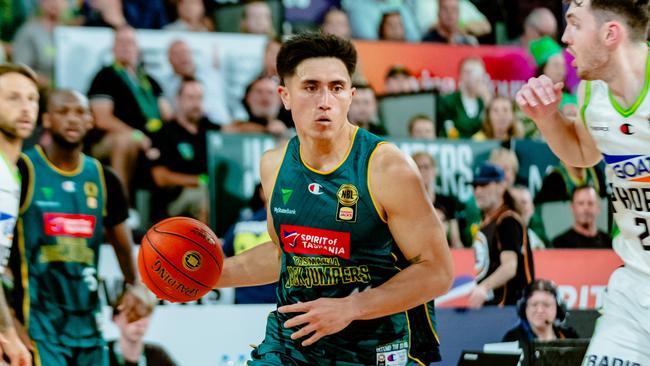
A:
271,159
389,160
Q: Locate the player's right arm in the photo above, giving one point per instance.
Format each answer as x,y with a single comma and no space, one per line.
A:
569,139
261,264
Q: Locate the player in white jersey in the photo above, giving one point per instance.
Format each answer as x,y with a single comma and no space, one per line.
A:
18,112
608,40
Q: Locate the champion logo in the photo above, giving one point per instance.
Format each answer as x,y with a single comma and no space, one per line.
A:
626,129
315,188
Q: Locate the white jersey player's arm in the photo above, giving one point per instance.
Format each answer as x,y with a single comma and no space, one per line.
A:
569,139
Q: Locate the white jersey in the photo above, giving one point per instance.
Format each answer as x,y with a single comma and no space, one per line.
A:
9,201
623,137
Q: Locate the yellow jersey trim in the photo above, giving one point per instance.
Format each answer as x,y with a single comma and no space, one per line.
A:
372,197
347,154
65,173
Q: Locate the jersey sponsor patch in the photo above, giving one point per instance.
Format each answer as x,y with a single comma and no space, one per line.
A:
395,354
307,240
632,168
75,225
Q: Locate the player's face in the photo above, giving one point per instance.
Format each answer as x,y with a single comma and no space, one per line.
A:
583,37
541,309
319,96
18,106
68,119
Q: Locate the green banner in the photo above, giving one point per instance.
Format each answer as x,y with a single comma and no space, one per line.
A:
233,163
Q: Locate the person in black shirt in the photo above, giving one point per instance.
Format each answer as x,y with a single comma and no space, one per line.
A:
541,314
180,164
132,314
504,260
584,233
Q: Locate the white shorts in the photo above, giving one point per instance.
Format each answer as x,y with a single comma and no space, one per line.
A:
622,334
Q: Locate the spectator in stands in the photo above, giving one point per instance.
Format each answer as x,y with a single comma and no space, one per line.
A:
270,54
128,107
585,206
526,208
471,20
191,17
422,126
33,44
539,23
559,183
248,232
447,30
148,14
103,13
263,105
550,62
400,80
183,65
541,313
445,206
257,18
132,314
180,166
460,114
364,111
500,122
365,16
13,15
391,27
506,159
336,22
504,261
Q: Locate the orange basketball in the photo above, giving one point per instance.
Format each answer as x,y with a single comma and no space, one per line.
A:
180,259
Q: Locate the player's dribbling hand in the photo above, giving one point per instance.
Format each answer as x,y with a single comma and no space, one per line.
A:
539,97
14,349
321,317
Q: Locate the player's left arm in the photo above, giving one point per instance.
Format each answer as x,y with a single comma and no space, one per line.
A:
401,198
118,232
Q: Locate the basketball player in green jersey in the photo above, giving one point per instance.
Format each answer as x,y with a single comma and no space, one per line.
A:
68,200
357,247
18,112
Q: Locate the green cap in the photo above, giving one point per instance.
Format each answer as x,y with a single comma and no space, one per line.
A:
544,48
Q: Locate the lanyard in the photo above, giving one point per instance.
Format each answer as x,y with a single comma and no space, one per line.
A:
143,94
117,351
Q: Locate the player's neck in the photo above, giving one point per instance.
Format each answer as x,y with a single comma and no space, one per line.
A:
10,147
327,153
627,83
131,350
64,158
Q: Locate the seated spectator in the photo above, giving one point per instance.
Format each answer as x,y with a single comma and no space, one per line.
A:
336,22
506,159
33,44
364,111
471,20
400,80
446,30
103,13
500,122
550,62
183,65
128,108
191,17
541,313
422,127
584,233
561,181
257,18
391,27
526,209
445,206
249,232
148,14
460,114
504,260
180,167
539,23
365,17
132,314
263,105
270,55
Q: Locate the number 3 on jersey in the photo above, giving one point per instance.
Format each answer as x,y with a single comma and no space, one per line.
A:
645,233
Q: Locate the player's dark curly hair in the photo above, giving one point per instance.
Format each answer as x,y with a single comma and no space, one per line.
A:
636,13
312,45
